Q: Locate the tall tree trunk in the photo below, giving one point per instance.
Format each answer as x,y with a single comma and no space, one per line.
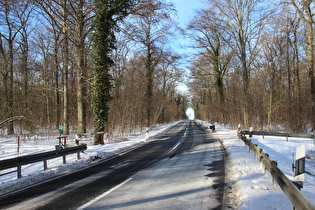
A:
108,13
310,64
65,95
103,39
65,72
24,68
81,73
10,127
6,86
57,96
149,83
246,84
81,93
298,96
288,67
306,14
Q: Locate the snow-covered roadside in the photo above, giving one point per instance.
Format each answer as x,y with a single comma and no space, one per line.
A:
249,187
33,173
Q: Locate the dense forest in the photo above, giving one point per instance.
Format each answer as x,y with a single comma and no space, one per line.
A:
252,64
255,65
48,68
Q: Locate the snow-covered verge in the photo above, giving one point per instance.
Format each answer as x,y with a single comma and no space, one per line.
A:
249,187
34,173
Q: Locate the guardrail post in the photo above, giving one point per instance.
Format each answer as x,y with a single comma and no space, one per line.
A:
260,160
274,182
293,166
293,194
78,155
287,137
19,171
256,156
45,165
64,159
267,155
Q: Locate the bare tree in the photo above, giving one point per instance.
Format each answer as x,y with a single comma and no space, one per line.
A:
244,21
24,19
305,10
82,15
149,26
168,75
58,13
10,11
210,36
74,20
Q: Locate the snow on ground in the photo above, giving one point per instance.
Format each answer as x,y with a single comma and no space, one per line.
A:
250,187
247,185
34,173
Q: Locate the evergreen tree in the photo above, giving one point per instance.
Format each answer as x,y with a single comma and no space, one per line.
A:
107,15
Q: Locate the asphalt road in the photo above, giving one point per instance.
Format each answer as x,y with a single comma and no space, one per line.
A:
181,169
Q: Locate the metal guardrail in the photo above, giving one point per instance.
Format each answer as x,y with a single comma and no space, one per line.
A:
28,159
263,133
298,200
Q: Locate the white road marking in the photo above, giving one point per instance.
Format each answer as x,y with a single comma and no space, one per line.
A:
103,195
175,147
181,140
47,197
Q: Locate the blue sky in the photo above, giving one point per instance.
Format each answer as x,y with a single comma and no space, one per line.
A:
186,9
185,12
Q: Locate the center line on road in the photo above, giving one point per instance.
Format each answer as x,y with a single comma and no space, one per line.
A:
174,147
179,142
103,195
